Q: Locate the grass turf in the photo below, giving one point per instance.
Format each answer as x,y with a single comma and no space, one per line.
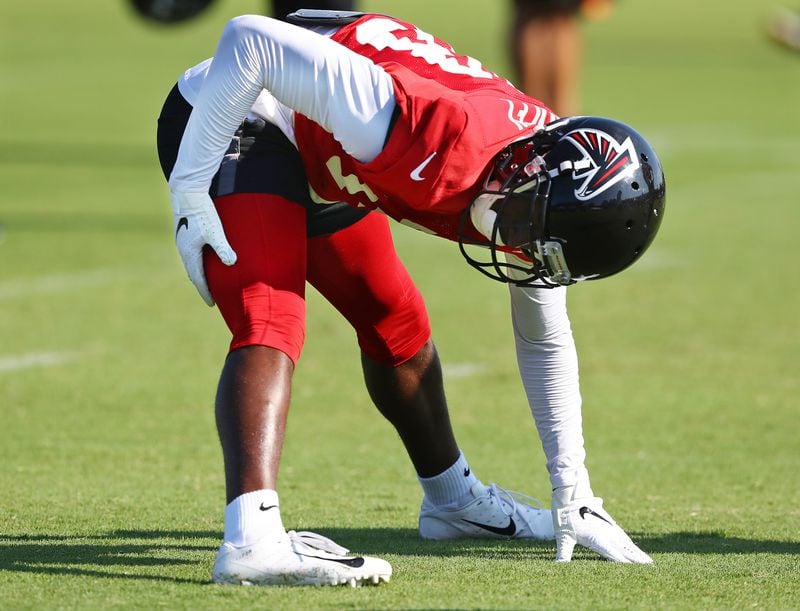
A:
111,488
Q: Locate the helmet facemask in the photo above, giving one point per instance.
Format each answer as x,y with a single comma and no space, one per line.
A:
512,215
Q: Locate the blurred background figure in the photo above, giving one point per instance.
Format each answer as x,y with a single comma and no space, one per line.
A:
547,48
784,28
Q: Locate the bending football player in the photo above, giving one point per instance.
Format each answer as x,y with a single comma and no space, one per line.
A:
368,110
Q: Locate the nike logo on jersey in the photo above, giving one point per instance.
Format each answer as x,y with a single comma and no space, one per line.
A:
183,222
585,510
506,531
416,172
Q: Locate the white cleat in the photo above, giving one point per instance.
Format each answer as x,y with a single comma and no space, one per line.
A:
297,559
493,513
583,521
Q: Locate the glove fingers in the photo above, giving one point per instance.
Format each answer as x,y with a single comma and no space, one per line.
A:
215,237
194,266
636,555
224,251
565,544
595,529
628,550
612,543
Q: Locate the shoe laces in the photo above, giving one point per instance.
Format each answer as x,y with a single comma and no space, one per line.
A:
316,541
510,500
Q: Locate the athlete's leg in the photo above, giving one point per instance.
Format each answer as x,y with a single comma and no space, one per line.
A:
411,396
259,192
251,407
262,301
358,271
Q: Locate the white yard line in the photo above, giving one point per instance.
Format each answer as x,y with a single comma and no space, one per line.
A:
57,283
461,370
35,359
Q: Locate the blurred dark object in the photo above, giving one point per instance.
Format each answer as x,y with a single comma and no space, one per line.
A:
169,11
281,8
784,28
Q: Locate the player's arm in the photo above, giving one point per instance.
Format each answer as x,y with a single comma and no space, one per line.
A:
344,92
548,364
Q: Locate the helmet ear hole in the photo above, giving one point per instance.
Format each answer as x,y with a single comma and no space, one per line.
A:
629,224
635,185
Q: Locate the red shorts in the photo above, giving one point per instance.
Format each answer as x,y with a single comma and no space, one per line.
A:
262,296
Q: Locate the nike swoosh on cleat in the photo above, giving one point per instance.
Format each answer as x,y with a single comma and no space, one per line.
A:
584,510
506,531
415,173
355,563
267,508
183,222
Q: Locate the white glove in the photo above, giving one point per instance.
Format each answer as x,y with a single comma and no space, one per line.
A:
583,521
197,224
481,213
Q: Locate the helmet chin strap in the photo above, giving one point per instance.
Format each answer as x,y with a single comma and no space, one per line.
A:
551,255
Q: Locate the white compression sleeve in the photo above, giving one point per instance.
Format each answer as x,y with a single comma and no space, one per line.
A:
346,93
548,364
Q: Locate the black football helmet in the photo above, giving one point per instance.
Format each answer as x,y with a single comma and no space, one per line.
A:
580,199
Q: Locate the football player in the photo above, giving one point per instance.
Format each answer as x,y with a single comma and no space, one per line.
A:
547,48
368,110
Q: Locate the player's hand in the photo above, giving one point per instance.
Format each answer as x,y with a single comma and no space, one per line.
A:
585,522
481,212
197,224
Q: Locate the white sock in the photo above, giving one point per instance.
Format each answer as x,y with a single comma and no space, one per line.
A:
451,488
253,516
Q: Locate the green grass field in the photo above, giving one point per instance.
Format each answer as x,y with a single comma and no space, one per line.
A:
111,490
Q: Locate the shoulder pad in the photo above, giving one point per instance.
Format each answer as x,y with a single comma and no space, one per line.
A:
310,17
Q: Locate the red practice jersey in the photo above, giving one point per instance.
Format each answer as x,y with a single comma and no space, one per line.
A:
454,117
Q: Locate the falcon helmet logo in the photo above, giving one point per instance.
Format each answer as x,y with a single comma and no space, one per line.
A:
604,161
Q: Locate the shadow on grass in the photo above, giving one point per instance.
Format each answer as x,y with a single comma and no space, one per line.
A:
406,541
123,554
138,554
713,543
